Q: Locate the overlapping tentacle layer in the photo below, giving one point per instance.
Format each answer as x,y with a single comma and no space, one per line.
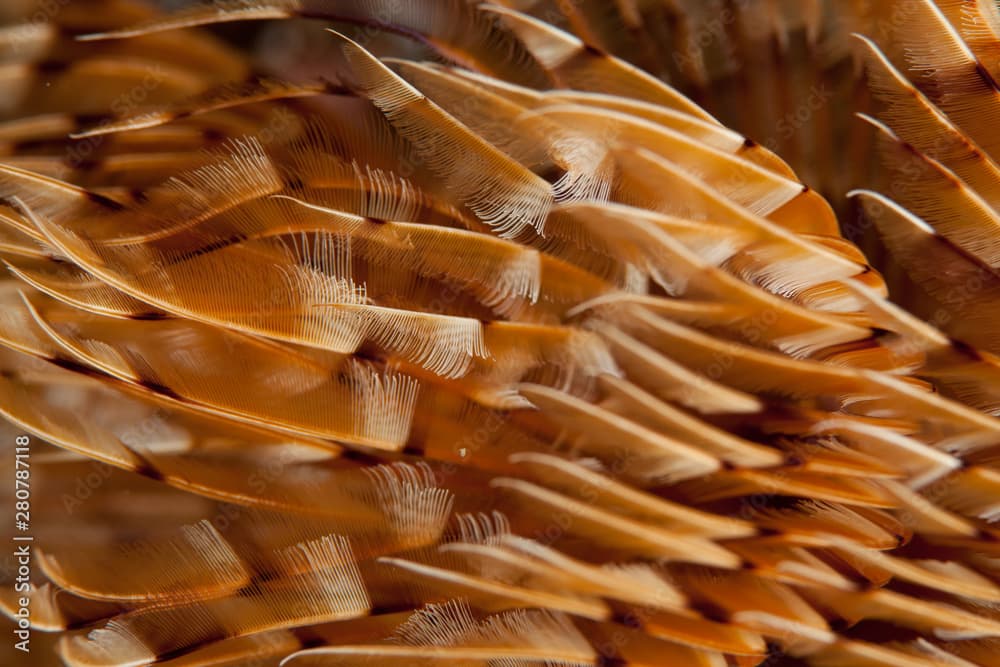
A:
519,359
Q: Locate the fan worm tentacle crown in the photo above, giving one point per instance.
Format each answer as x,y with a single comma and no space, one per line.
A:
481,339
